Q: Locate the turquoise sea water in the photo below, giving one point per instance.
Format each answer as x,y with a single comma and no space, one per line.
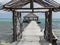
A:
55,22
5,20
6,26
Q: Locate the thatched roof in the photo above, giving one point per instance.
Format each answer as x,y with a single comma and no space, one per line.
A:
31,15
49,3
21,3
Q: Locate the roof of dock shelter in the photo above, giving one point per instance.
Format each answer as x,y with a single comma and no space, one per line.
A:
31,15
47,4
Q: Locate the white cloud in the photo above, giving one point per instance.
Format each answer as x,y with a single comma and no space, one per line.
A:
58,1
5,14
4,1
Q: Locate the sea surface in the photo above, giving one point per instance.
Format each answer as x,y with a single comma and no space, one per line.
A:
6,27
55,22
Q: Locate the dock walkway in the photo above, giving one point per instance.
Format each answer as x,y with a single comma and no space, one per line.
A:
33,35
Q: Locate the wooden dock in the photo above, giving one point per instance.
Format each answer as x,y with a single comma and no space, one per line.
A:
32,35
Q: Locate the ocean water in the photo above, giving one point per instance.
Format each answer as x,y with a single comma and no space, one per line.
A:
55,22
5,19
6,28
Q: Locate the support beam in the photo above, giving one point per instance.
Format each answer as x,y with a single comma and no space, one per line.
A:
46,26
31,5
19,26
14,26
30,10
50,25
20,23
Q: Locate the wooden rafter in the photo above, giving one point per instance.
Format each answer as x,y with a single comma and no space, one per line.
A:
16,3
43,3
49,4
21,3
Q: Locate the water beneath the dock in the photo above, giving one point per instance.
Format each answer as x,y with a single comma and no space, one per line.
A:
6,25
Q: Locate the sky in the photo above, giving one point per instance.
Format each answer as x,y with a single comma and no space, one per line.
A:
6,14
57,1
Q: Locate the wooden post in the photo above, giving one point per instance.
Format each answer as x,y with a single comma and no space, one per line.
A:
31,5
18,26
50,25
46,26
14,26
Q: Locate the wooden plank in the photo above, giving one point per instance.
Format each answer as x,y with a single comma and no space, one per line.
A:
32,35
33,8
35,28
16,3
30,10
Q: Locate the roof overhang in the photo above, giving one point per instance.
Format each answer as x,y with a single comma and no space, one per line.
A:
13,5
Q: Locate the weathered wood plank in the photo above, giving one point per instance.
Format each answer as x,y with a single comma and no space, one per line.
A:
32,35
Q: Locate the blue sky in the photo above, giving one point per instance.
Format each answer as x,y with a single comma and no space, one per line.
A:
6,14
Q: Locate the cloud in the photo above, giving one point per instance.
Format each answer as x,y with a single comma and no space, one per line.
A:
4,1
58,1
5,14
